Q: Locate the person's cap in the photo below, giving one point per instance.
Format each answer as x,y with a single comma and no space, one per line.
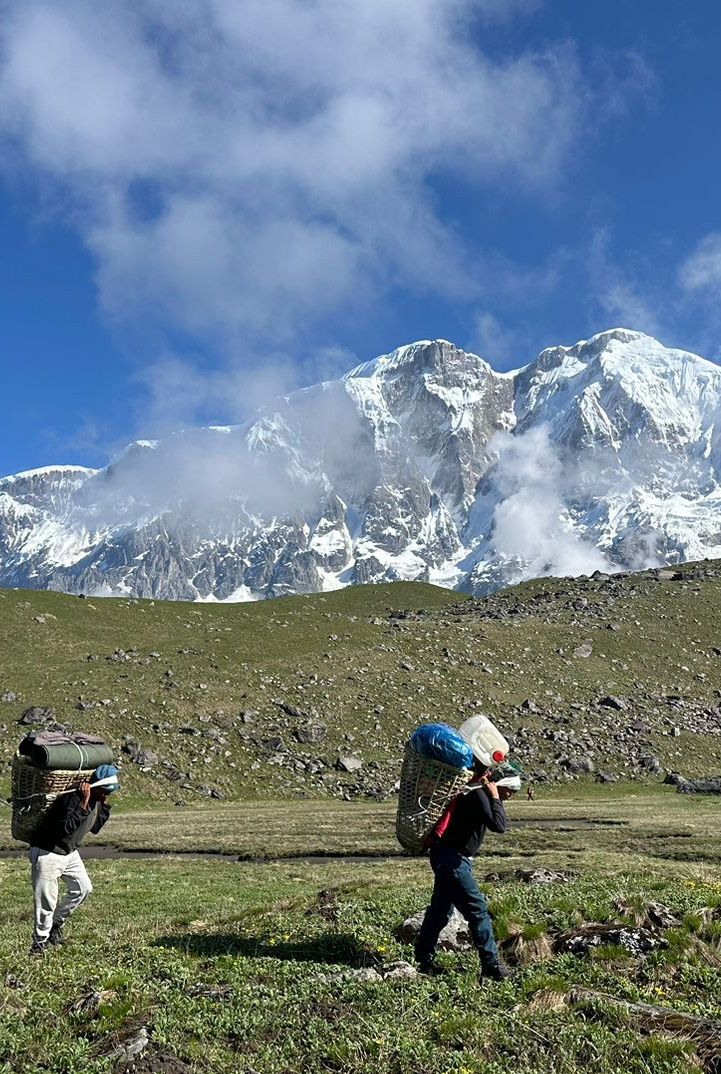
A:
105,777
507,774
512,782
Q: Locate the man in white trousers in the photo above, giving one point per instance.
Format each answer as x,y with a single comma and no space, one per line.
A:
54,855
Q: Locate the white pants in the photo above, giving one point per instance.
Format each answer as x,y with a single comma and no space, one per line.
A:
47,869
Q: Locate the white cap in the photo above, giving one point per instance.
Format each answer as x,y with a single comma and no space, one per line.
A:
512,782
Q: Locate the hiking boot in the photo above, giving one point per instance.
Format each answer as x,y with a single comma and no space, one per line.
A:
56,937
39,947
431,968
496,971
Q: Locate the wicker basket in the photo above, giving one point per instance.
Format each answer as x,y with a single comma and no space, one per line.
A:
33,792
426,789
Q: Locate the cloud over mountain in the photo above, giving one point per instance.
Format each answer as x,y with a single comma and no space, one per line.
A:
422,464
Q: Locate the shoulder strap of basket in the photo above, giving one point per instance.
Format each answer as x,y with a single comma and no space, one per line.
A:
439,828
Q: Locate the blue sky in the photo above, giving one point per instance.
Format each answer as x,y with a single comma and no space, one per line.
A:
203,202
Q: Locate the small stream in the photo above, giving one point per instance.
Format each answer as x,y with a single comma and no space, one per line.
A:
109,851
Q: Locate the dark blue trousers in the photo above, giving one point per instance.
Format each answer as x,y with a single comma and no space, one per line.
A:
455,885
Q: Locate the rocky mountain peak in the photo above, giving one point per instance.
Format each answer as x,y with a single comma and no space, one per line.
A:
422,464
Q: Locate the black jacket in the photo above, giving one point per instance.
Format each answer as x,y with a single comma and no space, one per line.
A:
66,824
473,815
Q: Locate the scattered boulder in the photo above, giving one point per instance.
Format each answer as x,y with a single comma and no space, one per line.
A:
37,714
139,756
310,733
456,936
654,915
132,1046
620,704
580,766
584,650
635,939
650,763
118,656
675,779
393,971
532,876
348,764
8,695
275,744
291,710
708,785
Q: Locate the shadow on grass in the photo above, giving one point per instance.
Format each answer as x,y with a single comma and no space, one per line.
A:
331,947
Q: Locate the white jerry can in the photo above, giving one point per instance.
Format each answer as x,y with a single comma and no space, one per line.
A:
488,744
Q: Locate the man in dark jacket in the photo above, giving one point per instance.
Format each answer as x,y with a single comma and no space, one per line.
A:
476,811
54,854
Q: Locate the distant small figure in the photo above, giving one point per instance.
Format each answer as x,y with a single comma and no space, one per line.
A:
529,793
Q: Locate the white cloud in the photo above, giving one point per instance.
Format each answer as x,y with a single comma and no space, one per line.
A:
531,524
618,292
242,169
701,271
498,343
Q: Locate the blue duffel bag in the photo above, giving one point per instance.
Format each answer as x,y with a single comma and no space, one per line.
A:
439,742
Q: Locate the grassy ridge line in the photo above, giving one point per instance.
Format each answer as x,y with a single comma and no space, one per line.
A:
370,676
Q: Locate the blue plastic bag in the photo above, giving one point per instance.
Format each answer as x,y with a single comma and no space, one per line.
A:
439,742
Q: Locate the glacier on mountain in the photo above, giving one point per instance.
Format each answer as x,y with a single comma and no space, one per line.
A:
424,464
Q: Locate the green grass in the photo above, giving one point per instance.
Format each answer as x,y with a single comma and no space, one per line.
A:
233,967
345,661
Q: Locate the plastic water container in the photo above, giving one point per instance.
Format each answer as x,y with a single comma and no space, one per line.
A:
486,741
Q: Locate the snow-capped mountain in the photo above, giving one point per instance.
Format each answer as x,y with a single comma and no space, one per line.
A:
422,464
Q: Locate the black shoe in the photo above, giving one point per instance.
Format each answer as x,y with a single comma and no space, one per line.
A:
496,971
431,968
39,947
56,937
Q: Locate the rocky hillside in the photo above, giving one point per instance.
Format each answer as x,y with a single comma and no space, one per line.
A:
424,465
594,678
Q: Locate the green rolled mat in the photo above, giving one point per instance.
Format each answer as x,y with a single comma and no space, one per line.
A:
68,756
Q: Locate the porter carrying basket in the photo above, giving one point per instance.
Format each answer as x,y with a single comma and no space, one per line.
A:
427,787
33,792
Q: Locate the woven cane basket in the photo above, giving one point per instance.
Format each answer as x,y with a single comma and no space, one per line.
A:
33,792
426,789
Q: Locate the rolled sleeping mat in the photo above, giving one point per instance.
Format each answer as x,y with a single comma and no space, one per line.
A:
68,756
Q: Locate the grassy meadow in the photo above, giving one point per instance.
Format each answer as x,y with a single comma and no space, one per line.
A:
245,966
269,957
